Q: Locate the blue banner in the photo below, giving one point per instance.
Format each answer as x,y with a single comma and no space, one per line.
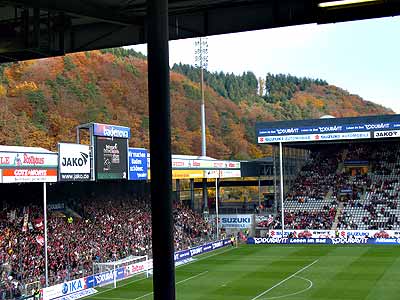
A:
329,129
137,164
185,254
111,131
329,241
104,278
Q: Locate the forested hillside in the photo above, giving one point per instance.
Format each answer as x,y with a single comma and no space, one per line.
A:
42,101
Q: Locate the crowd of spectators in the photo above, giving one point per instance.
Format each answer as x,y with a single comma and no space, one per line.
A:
106,230
306,219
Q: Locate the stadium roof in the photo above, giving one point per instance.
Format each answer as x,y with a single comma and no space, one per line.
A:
42,28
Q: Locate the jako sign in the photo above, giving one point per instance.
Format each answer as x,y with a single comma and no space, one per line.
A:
74,162
111,131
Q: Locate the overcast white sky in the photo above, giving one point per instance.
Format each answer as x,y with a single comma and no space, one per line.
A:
362,57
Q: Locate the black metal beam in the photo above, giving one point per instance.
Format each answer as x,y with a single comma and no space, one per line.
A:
232,183
160,150
81,9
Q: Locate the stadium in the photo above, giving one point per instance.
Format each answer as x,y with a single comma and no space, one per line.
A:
97,219
93,237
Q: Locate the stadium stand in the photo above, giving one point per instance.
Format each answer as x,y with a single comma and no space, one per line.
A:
327,195
107,229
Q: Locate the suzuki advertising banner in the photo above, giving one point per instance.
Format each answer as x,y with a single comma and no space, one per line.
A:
234,221
137,164
19,167
74,162
111,158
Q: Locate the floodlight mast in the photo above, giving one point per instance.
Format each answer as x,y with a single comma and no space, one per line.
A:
201,59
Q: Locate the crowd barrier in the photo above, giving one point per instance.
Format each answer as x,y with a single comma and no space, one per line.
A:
327,241
75,288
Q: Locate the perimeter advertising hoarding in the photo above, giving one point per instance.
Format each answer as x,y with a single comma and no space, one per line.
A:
111,158
74,162
328,241
137,160
19,167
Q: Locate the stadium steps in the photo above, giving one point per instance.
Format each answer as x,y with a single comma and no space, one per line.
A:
338,214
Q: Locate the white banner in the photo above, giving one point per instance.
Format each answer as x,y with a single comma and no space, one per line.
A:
74,162
138,268
386,134
230,174
26,159
63,289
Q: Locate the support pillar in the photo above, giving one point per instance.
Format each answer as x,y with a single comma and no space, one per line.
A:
178,190
160,150
192,194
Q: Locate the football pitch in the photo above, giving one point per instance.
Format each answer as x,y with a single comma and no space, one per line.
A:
293,272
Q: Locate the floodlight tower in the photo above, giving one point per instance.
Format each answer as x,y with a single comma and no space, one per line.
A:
201,60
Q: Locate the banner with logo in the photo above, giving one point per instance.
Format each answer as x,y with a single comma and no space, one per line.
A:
19,167
111,158
74,162
234,221
332,233
329,241
185,254
63,289
111,131
105,278
187,174
137,164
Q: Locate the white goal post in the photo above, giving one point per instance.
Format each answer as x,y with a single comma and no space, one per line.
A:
109,273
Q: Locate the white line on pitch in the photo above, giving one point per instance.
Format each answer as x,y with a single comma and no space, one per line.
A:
284,280
182,281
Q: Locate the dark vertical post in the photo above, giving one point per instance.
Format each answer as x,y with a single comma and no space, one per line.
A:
178,190
160,150
205,195
192,193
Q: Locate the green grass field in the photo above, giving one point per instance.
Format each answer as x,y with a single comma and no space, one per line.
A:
295,272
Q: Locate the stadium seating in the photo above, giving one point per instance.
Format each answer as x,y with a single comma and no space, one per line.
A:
108,229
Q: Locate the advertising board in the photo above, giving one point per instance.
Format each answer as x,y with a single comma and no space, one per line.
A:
187,174
19,167
113,131
111,158
137,164
186,254
74,162
105,277
329,241
315,233
234,220
63,289
268,133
